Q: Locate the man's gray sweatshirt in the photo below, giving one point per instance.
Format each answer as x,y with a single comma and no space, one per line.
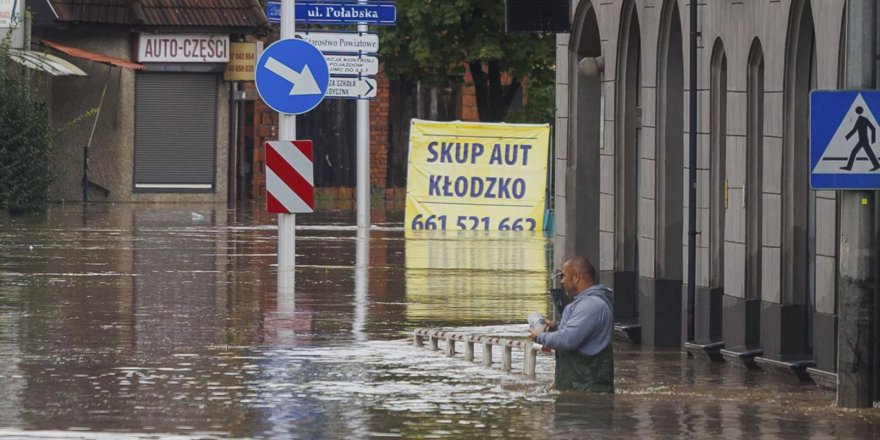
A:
587,324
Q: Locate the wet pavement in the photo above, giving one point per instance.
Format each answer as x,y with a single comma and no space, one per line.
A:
163,321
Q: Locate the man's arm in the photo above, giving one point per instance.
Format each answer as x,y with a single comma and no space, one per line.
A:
574,331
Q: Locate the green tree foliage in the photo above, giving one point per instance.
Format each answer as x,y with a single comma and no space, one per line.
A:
541,107
25,142
435,40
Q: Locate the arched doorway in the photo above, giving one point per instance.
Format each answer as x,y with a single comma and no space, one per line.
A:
661,302
825,301
626,165
582,156
742,304
754,195
670,142
786,321
707,320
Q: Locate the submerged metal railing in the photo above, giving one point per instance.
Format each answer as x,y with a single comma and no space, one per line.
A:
530,349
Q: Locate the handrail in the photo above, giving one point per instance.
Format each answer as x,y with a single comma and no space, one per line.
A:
530,349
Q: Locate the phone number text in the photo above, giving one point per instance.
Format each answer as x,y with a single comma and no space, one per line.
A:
472,222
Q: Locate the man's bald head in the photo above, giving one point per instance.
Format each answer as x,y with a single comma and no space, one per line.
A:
581,265
577,274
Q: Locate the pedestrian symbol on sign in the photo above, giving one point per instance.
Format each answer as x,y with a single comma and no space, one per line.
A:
862,126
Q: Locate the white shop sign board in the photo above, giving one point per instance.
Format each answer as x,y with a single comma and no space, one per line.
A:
183,48
11,18
10,13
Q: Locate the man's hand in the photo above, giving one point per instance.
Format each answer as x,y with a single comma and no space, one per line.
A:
534,332
550,325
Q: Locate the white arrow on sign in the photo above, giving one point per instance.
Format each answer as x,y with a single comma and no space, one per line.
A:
303,82
352,65
357,88
342,42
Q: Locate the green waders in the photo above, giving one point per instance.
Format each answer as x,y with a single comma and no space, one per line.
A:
577,372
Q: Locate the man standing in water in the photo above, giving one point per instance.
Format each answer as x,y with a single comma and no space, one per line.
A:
582,339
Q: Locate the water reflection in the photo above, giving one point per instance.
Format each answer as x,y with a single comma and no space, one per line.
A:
570,410
361,283
151,319
12,380
177,262
475,276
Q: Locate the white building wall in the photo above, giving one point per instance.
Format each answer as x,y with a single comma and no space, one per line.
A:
737,23
561,146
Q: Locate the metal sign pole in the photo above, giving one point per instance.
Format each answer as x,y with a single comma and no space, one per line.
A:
287,132
856,279
363,154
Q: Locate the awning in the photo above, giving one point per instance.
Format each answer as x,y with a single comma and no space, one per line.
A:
45,62
92,56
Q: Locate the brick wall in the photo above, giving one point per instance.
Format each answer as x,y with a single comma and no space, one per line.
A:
467,99
379,132
266,128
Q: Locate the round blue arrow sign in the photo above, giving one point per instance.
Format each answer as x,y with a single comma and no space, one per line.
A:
292,76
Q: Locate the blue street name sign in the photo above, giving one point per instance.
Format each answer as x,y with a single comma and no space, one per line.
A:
843,139
292,76
381,13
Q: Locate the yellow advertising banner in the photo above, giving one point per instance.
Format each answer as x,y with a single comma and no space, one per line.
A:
476,176
242,61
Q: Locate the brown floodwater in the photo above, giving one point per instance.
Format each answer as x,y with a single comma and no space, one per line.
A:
163,321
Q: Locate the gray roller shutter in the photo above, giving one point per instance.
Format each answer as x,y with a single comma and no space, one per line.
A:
175,132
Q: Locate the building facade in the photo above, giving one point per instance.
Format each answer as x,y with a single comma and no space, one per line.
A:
766,266
163,131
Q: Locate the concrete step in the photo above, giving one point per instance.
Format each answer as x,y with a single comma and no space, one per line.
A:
825,379
793,364
742,355
628,331
705,348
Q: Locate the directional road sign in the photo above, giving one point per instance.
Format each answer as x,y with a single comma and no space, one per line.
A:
352,65
843,139
351,88
342,42
376,13
292,76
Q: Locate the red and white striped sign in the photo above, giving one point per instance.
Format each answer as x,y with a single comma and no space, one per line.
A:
290,186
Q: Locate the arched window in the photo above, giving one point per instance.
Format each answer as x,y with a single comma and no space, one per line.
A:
800,79
754,188
627,124
718,163
670,142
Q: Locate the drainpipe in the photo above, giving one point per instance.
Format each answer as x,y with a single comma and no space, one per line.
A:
85,178
692,177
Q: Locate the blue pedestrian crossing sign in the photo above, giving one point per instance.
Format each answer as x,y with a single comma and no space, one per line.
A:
843,139
292,76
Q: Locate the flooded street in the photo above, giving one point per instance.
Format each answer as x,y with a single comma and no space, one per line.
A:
141,321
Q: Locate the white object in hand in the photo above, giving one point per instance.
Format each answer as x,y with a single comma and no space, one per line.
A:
536,320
